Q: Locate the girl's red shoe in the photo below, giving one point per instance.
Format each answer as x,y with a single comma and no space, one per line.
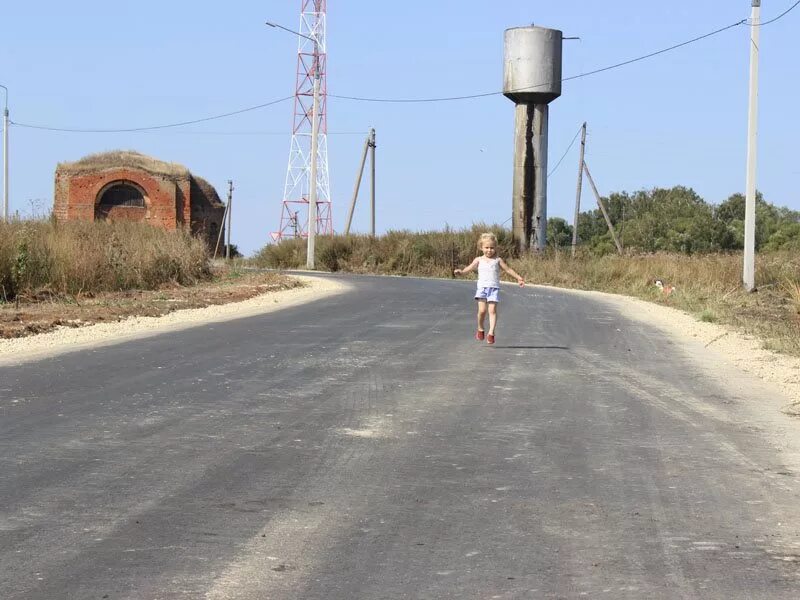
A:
490,339
479,335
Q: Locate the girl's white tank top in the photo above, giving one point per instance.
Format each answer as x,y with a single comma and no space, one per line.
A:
488,272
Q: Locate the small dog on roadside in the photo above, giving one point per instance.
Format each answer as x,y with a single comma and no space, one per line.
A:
665,289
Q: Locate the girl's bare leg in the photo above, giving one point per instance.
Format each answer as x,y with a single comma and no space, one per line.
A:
492,317
481,314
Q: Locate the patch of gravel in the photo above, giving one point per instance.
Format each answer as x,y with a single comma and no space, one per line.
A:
66,339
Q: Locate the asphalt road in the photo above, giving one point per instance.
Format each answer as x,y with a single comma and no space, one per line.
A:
368,447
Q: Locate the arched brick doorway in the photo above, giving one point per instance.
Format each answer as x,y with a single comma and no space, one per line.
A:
121,200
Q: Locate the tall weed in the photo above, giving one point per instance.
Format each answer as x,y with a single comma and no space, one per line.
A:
78,257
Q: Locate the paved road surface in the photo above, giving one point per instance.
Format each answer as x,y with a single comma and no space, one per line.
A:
368,447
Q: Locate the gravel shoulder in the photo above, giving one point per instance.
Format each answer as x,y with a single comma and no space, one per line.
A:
726,354
68,339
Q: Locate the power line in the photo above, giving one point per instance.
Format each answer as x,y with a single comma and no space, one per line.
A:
199,133
783,14
657,52
563,156
406,100
155,127
579,76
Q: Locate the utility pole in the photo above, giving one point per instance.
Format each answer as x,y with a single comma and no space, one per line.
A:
228,226
578,193
748,274
602,208
367,145
5,155
221,230
372,146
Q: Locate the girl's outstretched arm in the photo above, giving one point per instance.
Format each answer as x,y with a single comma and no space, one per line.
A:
472,266
512,272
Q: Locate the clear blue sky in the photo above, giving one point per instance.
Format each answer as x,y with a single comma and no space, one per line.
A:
679,118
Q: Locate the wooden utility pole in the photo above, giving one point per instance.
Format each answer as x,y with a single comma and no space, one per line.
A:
221,231
602,208
578,193
367,144
229,210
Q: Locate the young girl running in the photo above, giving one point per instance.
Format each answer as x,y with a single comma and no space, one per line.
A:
488,267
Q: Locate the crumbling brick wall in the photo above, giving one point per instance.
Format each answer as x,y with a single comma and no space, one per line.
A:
167,200
172,196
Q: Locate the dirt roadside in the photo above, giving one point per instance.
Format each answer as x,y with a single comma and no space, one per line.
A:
113,318
43,313
725,353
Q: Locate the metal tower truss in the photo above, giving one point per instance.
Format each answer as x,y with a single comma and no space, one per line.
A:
312,57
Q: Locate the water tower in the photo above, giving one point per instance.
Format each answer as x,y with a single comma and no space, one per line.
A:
531,79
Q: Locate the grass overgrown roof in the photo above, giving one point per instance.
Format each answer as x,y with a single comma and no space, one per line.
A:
116,159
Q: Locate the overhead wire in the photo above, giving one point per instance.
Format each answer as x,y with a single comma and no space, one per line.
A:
563,156
155,127
780,16
571,78
219,133
404,100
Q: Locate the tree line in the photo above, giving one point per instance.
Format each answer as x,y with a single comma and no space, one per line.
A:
678,220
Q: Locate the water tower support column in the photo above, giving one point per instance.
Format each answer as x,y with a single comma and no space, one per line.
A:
529,215
540,116
522,213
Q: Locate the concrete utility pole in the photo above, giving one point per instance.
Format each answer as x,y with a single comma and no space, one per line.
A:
749,275
372,146
578,193
228,226
5,155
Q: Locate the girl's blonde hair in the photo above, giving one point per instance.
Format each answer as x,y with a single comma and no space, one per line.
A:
486,237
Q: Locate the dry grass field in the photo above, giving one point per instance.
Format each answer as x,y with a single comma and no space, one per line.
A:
42,258
61,265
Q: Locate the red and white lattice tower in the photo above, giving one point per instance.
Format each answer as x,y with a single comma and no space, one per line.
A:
312,58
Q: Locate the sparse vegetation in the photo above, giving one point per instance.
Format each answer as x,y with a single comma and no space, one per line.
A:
708,316
123,158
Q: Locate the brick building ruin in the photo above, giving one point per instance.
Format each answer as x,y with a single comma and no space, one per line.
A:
130,186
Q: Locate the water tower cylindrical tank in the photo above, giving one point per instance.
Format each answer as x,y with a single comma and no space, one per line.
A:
532,65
